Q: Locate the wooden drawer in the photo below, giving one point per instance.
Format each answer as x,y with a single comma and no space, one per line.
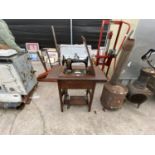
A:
75,84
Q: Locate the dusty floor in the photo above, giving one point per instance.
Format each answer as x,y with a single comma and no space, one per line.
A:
43,116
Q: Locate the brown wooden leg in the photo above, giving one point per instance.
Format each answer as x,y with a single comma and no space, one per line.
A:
60,96
87,96
91,98
26,99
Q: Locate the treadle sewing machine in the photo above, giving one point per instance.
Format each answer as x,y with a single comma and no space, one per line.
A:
75,76
17,79
70,74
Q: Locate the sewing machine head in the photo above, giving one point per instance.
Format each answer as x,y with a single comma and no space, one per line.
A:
68,63
76,60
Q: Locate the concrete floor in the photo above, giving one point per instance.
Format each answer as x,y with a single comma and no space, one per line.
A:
43,116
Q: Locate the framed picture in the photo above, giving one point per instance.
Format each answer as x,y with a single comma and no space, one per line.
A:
32,47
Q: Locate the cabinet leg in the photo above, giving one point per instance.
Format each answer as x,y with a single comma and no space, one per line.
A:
60,96
91,98
62,110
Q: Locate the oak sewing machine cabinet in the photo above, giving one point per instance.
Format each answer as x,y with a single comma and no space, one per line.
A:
76,77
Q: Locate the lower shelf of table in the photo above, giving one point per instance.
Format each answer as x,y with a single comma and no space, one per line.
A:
76,100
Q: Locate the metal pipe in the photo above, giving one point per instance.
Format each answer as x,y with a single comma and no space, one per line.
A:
55,42
43,63
128,30
118,34
108,37
71,31
91,63
49,59
126,50
101,34
107,49
100,38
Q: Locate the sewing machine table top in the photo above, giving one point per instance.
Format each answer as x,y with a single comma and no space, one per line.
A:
57,73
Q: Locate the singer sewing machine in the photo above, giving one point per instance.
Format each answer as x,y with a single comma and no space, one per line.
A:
76,60
68,62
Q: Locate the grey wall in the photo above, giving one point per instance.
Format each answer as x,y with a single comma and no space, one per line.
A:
144,40
39,30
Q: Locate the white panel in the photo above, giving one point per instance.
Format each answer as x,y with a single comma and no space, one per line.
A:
10,79
69,50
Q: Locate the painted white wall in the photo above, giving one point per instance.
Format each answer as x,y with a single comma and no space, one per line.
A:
144,40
